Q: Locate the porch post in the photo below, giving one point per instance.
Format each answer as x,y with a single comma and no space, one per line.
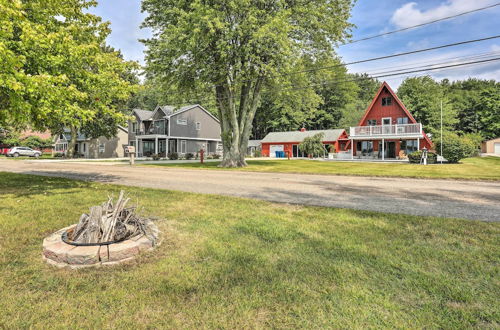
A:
418,144
383,149
166,147
352,149
156,145
136,147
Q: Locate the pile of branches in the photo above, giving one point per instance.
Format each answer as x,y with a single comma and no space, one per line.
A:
112,222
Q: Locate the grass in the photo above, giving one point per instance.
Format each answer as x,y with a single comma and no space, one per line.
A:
485,168
237,263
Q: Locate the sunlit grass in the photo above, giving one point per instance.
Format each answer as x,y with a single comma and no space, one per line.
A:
237,263
487,168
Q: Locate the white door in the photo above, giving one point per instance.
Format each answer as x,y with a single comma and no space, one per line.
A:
275,147
496,148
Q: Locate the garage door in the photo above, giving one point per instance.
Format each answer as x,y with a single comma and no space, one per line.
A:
275,147
496,149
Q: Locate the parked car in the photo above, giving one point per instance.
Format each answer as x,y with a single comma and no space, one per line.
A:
23,151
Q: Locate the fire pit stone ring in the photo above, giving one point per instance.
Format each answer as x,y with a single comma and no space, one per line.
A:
63,255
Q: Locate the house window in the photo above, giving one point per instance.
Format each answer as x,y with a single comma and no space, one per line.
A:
183,146
386,101
372,122
366,147
198,126
402,121
409,146
181,121
102,147
134,127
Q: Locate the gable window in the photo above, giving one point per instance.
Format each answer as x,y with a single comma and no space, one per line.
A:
372,122
198,126
134,127
386,101
402,121
102,147
181,121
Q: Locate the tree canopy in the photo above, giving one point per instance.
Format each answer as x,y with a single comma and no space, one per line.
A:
238,49
56,69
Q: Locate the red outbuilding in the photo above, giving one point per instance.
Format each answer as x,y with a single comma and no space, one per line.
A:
287,143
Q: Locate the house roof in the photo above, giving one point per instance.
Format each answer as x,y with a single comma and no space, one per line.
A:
254,143
298,136
398,101
143,114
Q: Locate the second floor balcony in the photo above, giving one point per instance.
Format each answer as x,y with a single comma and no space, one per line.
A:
387,131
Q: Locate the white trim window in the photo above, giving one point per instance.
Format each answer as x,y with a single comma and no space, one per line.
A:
198,126
102,147
183,146
181,121
61,147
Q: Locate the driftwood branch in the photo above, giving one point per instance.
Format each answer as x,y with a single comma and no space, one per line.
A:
113,222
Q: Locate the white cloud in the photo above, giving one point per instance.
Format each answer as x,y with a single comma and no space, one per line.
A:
409,14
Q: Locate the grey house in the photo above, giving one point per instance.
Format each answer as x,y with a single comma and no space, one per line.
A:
167,129
100,147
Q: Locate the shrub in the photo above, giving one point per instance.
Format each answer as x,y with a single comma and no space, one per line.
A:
173,155
215,156
189,156
457,147
58,155
415,156
258,153
155,157
313,145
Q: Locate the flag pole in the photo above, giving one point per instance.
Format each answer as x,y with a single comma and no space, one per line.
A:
441,132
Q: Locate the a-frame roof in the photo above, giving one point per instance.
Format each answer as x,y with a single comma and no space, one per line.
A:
395,97
398,101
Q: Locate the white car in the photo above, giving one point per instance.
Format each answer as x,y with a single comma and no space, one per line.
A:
23,151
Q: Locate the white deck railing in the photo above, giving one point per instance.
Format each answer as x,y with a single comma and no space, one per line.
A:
399,130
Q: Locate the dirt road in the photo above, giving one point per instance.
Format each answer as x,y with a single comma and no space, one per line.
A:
443,198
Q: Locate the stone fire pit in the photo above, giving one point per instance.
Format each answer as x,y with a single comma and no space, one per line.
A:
110,235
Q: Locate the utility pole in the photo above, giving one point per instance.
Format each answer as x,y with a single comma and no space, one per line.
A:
441,145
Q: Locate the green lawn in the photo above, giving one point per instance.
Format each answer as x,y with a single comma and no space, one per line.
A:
486,168
237,263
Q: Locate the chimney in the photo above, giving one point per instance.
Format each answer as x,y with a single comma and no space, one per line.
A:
303,129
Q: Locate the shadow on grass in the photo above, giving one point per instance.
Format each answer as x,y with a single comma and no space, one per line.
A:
45,183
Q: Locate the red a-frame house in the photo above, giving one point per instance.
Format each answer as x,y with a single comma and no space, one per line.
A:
387,130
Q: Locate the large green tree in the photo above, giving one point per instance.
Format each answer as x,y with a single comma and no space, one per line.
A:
423,97
56,69
239,48
477,103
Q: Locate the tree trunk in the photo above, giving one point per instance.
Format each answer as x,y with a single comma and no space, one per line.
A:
72,142
236,121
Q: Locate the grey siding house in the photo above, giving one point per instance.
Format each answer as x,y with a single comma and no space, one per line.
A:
101,147
167,129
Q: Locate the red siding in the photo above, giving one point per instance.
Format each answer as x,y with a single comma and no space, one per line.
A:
378,111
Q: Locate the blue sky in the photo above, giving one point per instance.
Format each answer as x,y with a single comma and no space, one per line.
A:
371,17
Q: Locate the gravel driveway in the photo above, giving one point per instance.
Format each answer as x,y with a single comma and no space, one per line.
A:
476,200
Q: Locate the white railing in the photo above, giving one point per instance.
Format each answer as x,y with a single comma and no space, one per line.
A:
387,130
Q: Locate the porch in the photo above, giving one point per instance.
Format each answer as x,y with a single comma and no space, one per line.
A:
383,149
146,146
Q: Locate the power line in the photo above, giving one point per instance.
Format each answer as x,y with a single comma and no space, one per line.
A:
377,58
399,73
419,25
384,74
395,55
